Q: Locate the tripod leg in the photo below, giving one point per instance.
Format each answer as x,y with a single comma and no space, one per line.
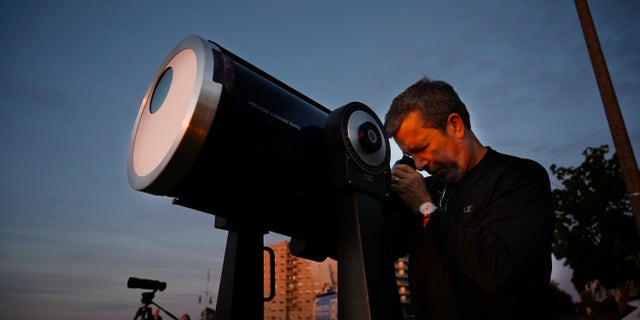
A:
241,293
138,313
367,287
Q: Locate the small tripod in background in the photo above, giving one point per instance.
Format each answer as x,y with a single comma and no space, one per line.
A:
144,311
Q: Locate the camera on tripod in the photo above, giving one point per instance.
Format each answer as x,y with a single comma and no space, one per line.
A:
155,285
144,311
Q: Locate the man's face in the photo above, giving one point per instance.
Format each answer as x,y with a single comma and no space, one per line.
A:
439,153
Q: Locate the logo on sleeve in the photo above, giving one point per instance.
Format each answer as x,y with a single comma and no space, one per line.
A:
468,209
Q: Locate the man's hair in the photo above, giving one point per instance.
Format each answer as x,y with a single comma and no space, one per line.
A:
435,100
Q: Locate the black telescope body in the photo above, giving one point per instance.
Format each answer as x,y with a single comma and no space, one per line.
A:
224,137
218,135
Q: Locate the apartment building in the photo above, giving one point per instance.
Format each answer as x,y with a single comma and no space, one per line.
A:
299,281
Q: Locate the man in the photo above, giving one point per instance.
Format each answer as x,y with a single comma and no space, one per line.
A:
478,229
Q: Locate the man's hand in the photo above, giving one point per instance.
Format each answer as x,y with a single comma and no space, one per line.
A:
409,185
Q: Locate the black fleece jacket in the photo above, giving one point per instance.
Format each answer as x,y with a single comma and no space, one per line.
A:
486,252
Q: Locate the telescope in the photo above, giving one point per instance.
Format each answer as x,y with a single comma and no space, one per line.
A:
221,136
144,311
148,284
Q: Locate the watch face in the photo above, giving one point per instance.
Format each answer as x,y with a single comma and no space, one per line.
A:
427,208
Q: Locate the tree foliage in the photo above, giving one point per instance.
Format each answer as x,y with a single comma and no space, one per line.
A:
595,229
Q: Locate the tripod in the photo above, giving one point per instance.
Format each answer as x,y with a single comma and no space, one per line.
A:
144,311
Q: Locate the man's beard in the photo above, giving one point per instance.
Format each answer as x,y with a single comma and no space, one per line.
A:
449,173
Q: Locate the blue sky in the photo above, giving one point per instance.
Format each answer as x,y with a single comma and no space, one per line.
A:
72,230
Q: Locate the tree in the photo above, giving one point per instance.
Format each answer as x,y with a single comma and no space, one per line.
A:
595,228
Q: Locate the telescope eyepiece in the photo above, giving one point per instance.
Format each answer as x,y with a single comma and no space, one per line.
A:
406,159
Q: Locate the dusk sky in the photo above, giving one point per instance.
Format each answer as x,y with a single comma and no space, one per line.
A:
72,230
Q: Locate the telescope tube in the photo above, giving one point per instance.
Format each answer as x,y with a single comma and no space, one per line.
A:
212,128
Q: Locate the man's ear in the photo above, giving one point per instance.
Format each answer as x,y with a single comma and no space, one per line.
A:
455,126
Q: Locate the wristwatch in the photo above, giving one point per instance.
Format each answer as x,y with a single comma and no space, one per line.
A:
427,208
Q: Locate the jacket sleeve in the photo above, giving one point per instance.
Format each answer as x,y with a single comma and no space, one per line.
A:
404,228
